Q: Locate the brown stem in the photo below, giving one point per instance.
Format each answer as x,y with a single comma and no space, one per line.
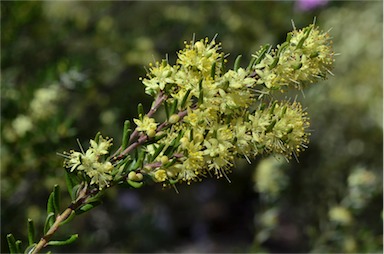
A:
59,219
135,134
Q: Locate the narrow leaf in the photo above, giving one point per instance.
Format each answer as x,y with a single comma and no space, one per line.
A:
30,249
50,206
49,222
71,181
31,232
166,107
174,107
157,151
135,184
70,240
69,219
126,134
306,34
56,199
237,63
18,246
85,208
140,111
97,137
262,53
11,243
277,58
213,70
201,94
185,98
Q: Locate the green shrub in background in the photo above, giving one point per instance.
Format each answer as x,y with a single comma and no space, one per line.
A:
96,52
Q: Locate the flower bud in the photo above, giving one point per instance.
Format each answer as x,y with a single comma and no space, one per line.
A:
174,118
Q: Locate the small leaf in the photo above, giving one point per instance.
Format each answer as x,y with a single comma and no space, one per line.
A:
69,219
166,107
97,137
135,184
126,133
75,191
56,199
31,232
11,243
237,63
18,246
270,127
139,160
49,222
262,54
157,151
213,70
71,180
30,249
201,94
85,208
50,206
277,58
140,111
70,240
306,34
185,98
174,107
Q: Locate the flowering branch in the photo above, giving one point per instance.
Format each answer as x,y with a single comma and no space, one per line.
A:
213,117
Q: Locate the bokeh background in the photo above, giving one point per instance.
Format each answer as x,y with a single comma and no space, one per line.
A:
72,68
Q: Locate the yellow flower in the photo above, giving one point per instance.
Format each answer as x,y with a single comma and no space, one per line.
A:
147,125
160,175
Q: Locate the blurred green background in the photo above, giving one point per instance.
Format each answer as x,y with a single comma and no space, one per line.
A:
72,68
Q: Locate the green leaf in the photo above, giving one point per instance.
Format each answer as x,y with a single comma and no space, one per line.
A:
71,181
96,198
18,246
139,160
86,208
272,109
49,222
173,145
56,199
50,206
166,107
30,249
69,219
174,107
237,63
70,240
185,98
277,58
213,70
140,111
157,151
270,127
262,53
201,94
31,232
97,137
75,191
135,184
306,34
11,243
126,134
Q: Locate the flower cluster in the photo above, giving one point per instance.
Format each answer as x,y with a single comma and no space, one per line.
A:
90,163
304,58
215,115
220,125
